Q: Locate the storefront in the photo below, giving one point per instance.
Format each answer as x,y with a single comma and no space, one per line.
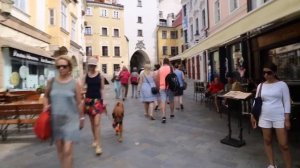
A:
24,70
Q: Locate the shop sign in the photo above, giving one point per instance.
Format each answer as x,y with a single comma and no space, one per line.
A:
31,57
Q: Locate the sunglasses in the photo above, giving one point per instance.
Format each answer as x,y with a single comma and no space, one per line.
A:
268,72
62,66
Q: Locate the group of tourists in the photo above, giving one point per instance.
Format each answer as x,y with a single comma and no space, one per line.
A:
155,89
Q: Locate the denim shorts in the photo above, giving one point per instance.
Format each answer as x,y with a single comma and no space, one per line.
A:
164,94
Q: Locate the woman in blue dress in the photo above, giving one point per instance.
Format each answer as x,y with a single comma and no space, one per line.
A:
63,94
146,82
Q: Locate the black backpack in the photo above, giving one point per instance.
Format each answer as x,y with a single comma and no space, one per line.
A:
172,81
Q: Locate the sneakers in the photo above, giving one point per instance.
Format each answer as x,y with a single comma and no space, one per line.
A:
181,106
94,144
98,150
172,116
272,166
164,120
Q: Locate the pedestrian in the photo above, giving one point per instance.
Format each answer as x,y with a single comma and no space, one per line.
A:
124,79
134,80
215,88
179,92
94,82
164,92
146,82
156,70
116,81
275,113
63,94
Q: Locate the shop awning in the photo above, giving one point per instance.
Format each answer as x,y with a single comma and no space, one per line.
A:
5,42
256,19
177,57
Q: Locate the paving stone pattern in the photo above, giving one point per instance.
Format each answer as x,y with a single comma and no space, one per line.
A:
190,140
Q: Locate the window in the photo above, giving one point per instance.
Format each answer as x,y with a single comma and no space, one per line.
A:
89,50
165,50
139,3
192,32
181,32
104,68
117,51
104,12
20,4
63,16
140,33
233,5
116,33
253,4
116,66
185,36
217,11
197,26
287,59
104,31
88,30
51,17
73,30
116,14
184,10
174,51
203,19
104,51
161,14
164,34
140,19
174,35
88,11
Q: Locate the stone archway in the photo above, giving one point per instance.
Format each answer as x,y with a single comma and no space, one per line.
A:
139,59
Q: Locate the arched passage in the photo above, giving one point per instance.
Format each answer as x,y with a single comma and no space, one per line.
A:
139,59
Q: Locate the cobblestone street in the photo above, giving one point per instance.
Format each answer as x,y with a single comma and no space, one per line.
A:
190,140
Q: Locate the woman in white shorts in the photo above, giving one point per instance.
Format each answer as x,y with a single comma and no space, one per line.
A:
275,113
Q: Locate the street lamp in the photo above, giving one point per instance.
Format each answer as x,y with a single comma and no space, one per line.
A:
5,9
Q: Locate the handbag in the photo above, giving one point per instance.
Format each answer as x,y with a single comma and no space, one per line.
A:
256,109
184,85
154,90
42,127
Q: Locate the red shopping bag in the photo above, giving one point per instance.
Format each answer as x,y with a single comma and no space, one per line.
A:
42,127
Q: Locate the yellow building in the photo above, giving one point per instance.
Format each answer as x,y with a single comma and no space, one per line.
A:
104,35
170,41
64,24
32,33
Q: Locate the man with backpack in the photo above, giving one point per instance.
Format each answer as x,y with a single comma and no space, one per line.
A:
168,84
134,79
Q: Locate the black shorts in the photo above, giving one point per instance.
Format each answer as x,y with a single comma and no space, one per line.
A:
179,92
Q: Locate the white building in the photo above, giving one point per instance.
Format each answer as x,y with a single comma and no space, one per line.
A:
168,9
141,20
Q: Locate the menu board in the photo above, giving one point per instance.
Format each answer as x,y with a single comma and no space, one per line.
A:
237,95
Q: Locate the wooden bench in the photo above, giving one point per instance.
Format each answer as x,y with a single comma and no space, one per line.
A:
18,114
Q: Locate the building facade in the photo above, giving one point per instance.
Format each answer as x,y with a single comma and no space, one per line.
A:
32,34
25,60
170,41
141,20
242,40
104,34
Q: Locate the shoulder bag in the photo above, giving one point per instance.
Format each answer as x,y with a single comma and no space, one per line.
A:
256,109
154,90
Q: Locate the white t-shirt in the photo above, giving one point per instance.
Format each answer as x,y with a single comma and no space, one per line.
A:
276,101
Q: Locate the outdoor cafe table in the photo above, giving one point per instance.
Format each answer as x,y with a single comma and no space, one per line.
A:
243,98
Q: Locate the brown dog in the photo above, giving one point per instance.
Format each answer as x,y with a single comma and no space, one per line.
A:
118,115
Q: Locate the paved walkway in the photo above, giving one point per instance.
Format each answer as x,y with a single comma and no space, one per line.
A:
190,140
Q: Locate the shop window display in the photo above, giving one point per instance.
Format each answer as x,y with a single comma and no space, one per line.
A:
287,59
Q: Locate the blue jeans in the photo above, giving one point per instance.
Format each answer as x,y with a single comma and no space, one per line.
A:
117,86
